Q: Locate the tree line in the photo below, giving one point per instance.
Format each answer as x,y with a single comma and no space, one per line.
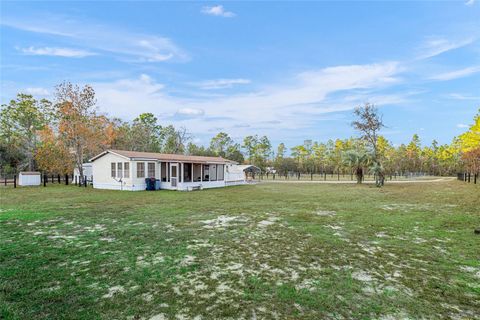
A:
56,136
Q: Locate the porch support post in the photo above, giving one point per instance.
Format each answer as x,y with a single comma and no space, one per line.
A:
132,170
191,176
180,178
201,172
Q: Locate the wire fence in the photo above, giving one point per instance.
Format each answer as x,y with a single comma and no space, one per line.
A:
342,176
47,179
468,177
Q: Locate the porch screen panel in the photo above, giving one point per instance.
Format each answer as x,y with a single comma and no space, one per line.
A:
151,169
187,172
220,173
213,172
206,174
163,170
197,175
140,169
126,170
119,170
113,169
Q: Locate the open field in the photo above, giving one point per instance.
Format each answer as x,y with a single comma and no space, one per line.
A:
267,251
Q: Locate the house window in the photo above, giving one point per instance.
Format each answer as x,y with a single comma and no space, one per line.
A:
126,170
213,172
140,169
113,167
220,175
151,170
119,170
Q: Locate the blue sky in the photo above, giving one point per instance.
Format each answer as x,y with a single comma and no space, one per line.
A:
290,70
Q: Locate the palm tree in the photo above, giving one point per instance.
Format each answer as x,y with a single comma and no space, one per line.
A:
356,160
377,170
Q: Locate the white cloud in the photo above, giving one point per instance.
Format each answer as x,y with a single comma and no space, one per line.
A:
218,10
470,2
221,83
462,125
266,110
54,51
436,46
456,74
37,91
190,112
100,38
460,96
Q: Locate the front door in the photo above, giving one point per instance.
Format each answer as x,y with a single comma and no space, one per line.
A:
174,174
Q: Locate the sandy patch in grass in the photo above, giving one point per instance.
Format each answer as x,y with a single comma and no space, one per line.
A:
159,316
147,297
325,213
268,222
187,261
107,239
362,276
220,222
113,291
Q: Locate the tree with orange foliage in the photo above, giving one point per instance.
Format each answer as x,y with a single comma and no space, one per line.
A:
81,130
471,159
52,155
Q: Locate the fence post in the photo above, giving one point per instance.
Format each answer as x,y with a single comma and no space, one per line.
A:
311,176
325,176
58,178
66,179
85,181
75,180
15,181
274,176
469,177
45,180
53,181
475,178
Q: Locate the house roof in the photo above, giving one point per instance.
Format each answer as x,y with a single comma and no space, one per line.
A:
248,167
30,173
137,155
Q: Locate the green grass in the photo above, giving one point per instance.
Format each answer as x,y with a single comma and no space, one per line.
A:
267,251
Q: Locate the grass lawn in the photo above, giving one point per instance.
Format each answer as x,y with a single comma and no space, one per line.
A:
267,251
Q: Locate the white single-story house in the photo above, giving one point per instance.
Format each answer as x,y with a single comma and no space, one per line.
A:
127,170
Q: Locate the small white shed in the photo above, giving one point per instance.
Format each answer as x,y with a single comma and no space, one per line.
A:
87,170
29,178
